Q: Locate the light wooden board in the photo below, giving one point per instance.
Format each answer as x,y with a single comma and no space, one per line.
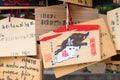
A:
17,37
116,1
20,68
107,48
18,7
80,2
79,44
105,18
115,62
39,57
113,19
52,17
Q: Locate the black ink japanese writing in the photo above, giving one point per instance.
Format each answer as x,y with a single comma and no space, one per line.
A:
22,24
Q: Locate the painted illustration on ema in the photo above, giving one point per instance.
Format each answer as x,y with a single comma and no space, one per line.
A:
69,47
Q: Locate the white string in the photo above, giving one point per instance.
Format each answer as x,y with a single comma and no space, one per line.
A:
67,16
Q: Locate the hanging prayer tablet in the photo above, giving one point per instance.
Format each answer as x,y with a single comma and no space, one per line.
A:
78,44
20,68
107,49
17,37
113,19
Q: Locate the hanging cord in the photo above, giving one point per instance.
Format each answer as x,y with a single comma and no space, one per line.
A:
67,16
11,12
70,16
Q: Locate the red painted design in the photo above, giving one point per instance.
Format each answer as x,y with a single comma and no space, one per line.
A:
93,47
77,28
65,54
48,57
50,37
71,27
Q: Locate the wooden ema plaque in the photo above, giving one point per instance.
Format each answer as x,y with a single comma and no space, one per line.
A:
20,68
78,44
17,37
107,49
113,19
88,3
